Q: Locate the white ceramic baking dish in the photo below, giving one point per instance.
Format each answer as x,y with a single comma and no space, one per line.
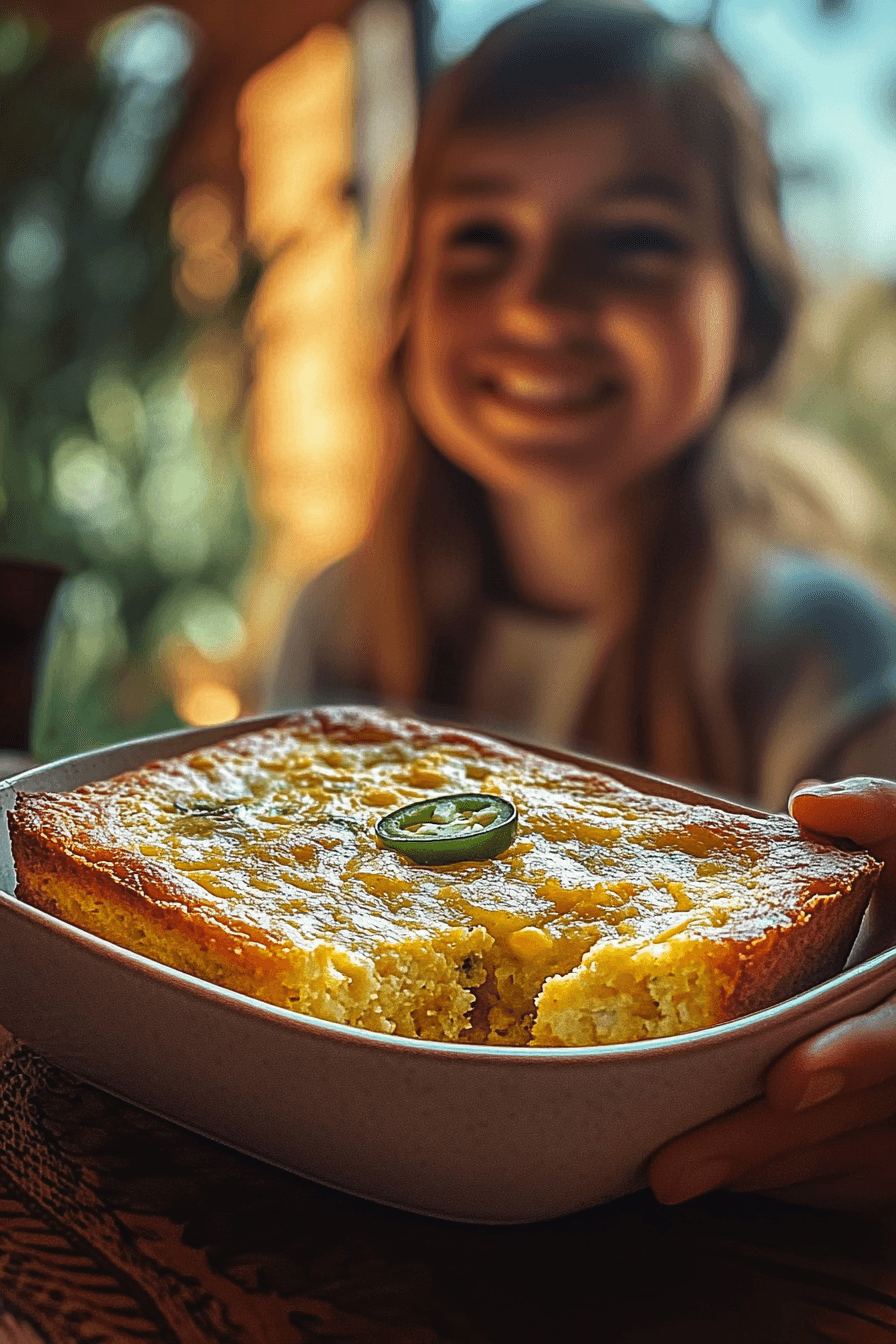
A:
466,1132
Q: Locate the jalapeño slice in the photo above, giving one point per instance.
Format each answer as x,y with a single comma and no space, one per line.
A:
451,828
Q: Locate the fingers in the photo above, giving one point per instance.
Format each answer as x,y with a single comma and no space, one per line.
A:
870,1188
725,1150
857,1169
862,809
825,1132
849,1057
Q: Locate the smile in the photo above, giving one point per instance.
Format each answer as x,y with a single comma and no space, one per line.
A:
549,393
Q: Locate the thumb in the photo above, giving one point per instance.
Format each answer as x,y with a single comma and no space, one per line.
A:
861,809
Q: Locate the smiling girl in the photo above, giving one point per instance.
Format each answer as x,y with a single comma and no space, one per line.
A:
597,275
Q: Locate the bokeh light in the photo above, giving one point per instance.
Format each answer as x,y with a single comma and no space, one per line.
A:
151,45
35,246
15,43
208,702
204,228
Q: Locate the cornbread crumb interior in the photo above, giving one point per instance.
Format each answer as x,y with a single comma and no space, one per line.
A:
614,916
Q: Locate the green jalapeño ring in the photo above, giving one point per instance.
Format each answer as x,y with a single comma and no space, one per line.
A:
452,828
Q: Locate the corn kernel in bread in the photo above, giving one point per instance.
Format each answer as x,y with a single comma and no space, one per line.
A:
614,915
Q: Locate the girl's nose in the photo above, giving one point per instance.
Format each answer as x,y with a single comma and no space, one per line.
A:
541,301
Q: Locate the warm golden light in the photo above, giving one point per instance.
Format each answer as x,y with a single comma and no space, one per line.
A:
208,278
323,427
215,374
295,120
207,702
203,228
201,218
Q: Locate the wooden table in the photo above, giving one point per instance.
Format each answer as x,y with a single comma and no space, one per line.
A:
117,1226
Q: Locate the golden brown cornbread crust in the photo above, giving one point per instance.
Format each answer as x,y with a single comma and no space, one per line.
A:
614,916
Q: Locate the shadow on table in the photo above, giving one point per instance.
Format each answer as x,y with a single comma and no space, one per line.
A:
141,1229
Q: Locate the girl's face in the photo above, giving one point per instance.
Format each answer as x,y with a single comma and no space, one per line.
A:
574,309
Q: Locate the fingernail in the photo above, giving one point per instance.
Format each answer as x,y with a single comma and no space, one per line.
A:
807,786
698,1180
816,790
821,1087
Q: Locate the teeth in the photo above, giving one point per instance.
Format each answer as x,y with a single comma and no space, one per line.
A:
543,390
546,391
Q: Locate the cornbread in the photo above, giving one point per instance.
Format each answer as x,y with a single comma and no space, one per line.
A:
613,916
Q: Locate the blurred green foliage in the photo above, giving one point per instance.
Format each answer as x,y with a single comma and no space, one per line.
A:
843,382
847,374
105,466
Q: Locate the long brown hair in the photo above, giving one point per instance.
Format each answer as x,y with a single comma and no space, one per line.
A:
435,541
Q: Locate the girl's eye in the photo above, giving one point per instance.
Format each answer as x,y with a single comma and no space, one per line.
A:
636,252
479,235
643,241
477,251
